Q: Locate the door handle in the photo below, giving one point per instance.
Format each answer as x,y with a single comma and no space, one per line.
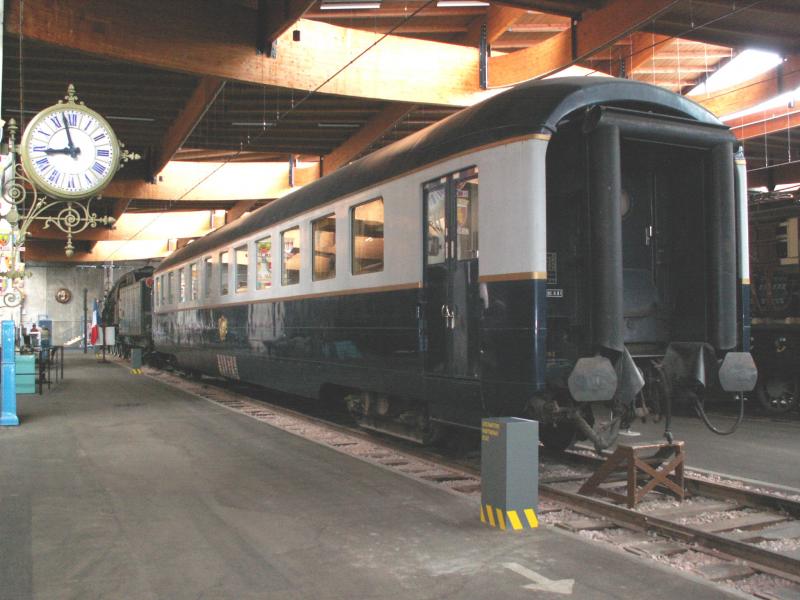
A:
649,232
449,317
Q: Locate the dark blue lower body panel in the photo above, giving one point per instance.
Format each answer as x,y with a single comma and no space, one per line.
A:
365,342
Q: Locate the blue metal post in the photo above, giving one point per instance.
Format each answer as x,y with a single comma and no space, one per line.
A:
8,415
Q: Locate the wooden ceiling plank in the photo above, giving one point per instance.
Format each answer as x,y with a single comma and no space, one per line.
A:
753,92
497,19
366,136
597,30
216,39
182,127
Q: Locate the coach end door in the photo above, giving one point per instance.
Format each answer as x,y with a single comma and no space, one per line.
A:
451,305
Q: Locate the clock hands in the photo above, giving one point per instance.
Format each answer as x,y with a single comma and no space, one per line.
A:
73,151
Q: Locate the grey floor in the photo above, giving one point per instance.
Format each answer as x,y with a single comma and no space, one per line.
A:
762,448
118,487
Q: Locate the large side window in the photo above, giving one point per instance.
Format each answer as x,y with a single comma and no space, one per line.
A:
224,259
208,272
366,228
290,263
193,274
324,247
170,286
156,298
264,263
161,290
182,284
241,268
467,217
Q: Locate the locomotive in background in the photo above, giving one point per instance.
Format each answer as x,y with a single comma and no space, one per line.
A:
128,306
775,297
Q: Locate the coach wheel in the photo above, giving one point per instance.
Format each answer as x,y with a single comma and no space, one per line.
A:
778,393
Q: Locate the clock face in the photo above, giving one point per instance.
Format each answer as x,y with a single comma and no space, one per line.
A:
70,151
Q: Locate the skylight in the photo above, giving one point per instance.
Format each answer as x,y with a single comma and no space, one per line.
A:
745,65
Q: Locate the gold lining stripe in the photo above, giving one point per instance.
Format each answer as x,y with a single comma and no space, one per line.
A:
501,519
537,275
542,136
483,517
490,514
745,281
514,518
740,161
531,516
350,292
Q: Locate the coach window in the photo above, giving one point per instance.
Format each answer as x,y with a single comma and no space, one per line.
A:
161,290
170,286
182,284
467,216
193,274
241,268
290,263
264,263
223,272
208,267
324,247
366,227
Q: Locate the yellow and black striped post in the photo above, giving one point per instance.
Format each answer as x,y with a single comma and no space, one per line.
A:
509,473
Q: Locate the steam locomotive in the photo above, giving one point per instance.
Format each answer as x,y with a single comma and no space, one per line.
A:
776,297
572,250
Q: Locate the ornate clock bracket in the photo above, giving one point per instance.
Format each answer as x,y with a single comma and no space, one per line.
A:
26,204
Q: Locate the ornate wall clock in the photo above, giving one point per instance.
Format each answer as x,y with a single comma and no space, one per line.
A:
69,151
63,296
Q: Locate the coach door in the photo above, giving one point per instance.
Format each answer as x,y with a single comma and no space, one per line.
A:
451,275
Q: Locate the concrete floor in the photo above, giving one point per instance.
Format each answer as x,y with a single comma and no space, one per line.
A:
116,486
762,448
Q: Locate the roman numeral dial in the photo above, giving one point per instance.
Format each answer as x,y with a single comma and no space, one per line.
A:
69,151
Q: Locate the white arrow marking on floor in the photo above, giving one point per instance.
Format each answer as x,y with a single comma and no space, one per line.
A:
540,582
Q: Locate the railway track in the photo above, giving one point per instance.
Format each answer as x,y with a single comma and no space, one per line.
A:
746,538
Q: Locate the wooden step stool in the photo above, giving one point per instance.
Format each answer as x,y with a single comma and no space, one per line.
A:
663,468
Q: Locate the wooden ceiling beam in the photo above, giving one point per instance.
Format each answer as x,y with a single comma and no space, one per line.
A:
182,127
276,18
216,39
102,251
777,121
772,176
753,92
142,226
238,209
253,181
396,12
597,30
644,48
366,136
497,20
555,7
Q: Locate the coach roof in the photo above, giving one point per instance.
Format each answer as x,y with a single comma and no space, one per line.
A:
526,109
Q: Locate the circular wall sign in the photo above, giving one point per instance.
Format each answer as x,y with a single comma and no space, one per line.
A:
63,296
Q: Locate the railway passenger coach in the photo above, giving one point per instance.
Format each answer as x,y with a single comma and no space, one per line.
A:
565,251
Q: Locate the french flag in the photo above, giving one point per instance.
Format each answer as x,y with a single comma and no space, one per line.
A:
95,331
